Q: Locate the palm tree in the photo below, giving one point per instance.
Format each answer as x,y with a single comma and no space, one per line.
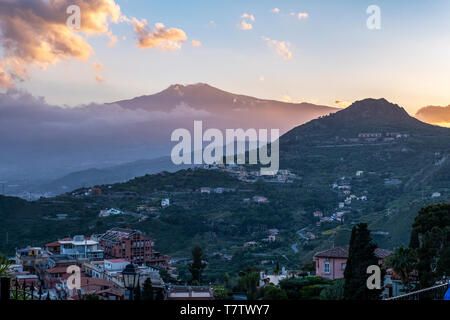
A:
4,266
403,262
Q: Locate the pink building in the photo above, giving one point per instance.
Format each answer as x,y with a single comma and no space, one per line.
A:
331,263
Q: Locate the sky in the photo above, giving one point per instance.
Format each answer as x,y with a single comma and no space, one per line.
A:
291,50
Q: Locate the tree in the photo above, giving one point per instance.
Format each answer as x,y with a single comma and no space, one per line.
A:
333,292
274,293
137,292
414,242
249,281
226,280
432,225
197,265
4,265
403,262
361,255
147,293
308,288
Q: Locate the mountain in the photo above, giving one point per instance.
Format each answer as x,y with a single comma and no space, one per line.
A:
45,142
221,109
365,116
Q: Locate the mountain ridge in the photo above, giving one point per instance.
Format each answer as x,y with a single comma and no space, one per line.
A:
177,93
367,115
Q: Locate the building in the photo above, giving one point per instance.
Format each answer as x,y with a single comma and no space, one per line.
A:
370,135
219,190
53,247
272,279
81,247
133,246
318,214
260,199
32,258
331,263
206,190
436,195
165,202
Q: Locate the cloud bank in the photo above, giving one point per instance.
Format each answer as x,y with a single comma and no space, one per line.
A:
36,33
39,33
435,115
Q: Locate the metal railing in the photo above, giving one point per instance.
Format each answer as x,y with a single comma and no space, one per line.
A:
15,290
433,293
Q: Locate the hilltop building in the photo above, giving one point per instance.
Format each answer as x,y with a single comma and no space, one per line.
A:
132,245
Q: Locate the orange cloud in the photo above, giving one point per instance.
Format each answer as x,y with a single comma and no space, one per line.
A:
5,80
36,32
99,79
244,25
160,37
248,16
196,43
98,66
435,115
302,15
281,47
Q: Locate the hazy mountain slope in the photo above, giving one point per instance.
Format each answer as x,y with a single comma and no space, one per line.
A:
44,142
222,109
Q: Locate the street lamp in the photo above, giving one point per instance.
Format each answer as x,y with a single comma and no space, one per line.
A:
130,278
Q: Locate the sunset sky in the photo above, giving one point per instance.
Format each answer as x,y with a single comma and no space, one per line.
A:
314,51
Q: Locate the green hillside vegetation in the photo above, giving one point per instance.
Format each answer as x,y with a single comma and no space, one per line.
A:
399,177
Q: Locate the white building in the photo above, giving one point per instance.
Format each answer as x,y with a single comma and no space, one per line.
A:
80,247
218,190
206,190
436,195
165,202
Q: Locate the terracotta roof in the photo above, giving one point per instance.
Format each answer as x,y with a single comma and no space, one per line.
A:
57,270
338,252
53,244
342,252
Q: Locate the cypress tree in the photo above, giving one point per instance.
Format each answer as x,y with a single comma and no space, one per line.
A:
361,255
197,265
414,240
147,293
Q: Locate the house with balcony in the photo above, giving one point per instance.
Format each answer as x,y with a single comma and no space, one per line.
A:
81,247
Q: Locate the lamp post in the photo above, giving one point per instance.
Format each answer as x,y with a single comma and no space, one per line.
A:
130,278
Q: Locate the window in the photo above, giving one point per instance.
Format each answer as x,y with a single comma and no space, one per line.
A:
343,265
327,266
